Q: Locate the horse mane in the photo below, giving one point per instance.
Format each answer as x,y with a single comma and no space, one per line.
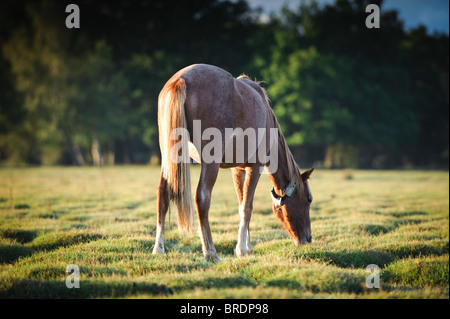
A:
243,75
293,169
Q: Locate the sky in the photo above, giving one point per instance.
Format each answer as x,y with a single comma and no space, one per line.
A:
434,14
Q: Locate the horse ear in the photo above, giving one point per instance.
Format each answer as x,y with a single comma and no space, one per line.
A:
306,174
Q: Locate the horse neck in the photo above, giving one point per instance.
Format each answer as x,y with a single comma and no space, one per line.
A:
281,178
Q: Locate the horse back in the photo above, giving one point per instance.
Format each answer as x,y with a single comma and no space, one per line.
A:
221,101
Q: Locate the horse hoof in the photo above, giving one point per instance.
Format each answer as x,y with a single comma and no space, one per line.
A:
158,250
212,258
239,252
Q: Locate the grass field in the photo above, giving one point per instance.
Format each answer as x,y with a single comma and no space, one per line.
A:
103,220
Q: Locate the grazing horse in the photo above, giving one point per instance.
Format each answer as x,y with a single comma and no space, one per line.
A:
209,96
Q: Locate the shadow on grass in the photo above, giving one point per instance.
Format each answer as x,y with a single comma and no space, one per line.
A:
263,212
376,229
11,253
21,206
403,214
356,258
348,285
49,273
126,220
30,288
79,226
134,205
381,258
371,229
235,281
226,247
353,259
19,235
53,241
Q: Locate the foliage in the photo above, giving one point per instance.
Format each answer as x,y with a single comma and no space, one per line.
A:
349,94
345,95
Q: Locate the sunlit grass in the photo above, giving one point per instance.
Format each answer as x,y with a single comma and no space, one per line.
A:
103,220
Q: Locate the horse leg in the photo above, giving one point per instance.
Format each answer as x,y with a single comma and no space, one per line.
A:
208,178
238,180
162,196
244,246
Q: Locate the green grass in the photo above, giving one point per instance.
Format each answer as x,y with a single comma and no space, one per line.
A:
103,220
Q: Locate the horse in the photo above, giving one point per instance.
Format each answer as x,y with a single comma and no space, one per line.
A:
211,96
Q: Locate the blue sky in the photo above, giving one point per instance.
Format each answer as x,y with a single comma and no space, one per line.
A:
434,14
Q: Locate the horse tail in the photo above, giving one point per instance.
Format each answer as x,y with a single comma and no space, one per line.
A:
173,135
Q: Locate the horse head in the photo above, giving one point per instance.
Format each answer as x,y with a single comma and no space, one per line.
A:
292,208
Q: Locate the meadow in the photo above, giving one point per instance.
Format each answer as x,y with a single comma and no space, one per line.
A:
104,221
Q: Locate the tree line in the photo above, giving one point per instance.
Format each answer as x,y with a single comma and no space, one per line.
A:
345,95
